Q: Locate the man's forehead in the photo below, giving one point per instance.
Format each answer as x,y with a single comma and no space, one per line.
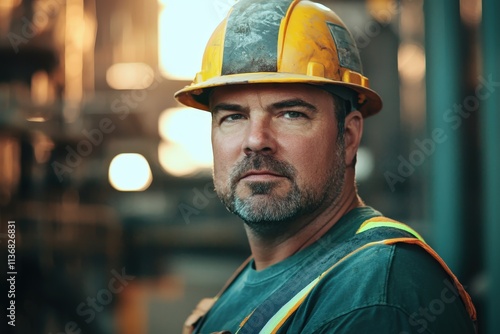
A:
239,92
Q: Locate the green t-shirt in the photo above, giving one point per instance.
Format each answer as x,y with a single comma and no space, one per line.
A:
393,289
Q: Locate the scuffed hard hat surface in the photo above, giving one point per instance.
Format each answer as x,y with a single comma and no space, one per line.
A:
251,36
347,52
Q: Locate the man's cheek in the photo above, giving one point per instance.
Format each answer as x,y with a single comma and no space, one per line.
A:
222,180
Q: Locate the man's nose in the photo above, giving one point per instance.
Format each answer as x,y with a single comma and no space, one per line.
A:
260,136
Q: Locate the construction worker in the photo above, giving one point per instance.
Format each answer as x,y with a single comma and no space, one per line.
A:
283,82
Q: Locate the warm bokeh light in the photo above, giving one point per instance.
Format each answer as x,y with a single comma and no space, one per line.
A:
36,119
175,160
130,172
187,147
184,29
73,52
411,62
130,76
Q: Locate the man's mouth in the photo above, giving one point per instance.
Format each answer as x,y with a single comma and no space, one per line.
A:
260,175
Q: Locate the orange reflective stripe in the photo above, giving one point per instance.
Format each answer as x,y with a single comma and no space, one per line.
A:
461,290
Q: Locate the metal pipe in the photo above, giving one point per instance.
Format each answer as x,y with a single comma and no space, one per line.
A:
490,135
443,82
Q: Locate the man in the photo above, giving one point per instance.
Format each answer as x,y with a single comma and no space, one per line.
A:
283,81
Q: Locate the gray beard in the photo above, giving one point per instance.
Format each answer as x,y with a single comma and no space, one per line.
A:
269,216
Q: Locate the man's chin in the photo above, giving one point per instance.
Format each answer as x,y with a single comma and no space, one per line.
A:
266,222
262,190
267,208
259,202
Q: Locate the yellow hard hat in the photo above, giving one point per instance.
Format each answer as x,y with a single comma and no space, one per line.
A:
281,41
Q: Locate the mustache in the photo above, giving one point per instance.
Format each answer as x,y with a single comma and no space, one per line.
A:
259,162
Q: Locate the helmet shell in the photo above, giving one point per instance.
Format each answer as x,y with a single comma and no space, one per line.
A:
281,41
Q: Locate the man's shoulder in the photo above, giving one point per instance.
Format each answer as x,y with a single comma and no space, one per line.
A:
400,280
386,274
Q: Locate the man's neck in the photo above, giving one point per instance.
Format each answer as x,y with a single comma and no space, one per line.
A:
269,251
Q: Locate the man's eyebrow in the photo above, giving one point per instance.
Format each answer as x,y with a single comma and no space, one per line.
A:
277,105
293,103
227,106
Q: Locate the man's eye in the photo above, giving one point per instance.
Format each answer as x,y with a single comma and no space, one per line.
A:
293,114
232,118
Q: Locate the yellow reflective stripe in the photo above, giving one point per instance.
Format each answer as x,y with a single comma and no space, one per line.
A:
283,313
275,323
370,224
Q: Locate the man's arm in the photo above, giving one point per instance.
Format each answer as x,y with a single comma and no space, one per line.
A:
201,309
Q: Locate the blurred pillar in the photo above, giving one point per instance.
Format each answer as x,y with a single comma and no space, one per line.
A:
443,82
490,120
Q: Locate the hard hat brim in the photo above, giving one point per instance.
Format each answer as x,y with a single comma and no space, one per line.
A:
197,95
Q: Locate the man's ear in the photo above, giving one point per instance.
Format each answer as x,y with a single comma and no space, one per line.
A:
352,134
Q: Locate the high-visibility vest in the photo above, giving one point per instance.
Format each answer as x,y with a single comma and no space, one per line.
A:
287,299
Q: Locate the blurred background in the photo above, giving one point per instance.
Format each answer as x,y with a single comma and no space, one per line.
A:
108,179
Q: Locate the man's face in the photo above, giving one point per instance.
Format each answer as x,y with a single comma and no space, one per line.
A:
277,157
